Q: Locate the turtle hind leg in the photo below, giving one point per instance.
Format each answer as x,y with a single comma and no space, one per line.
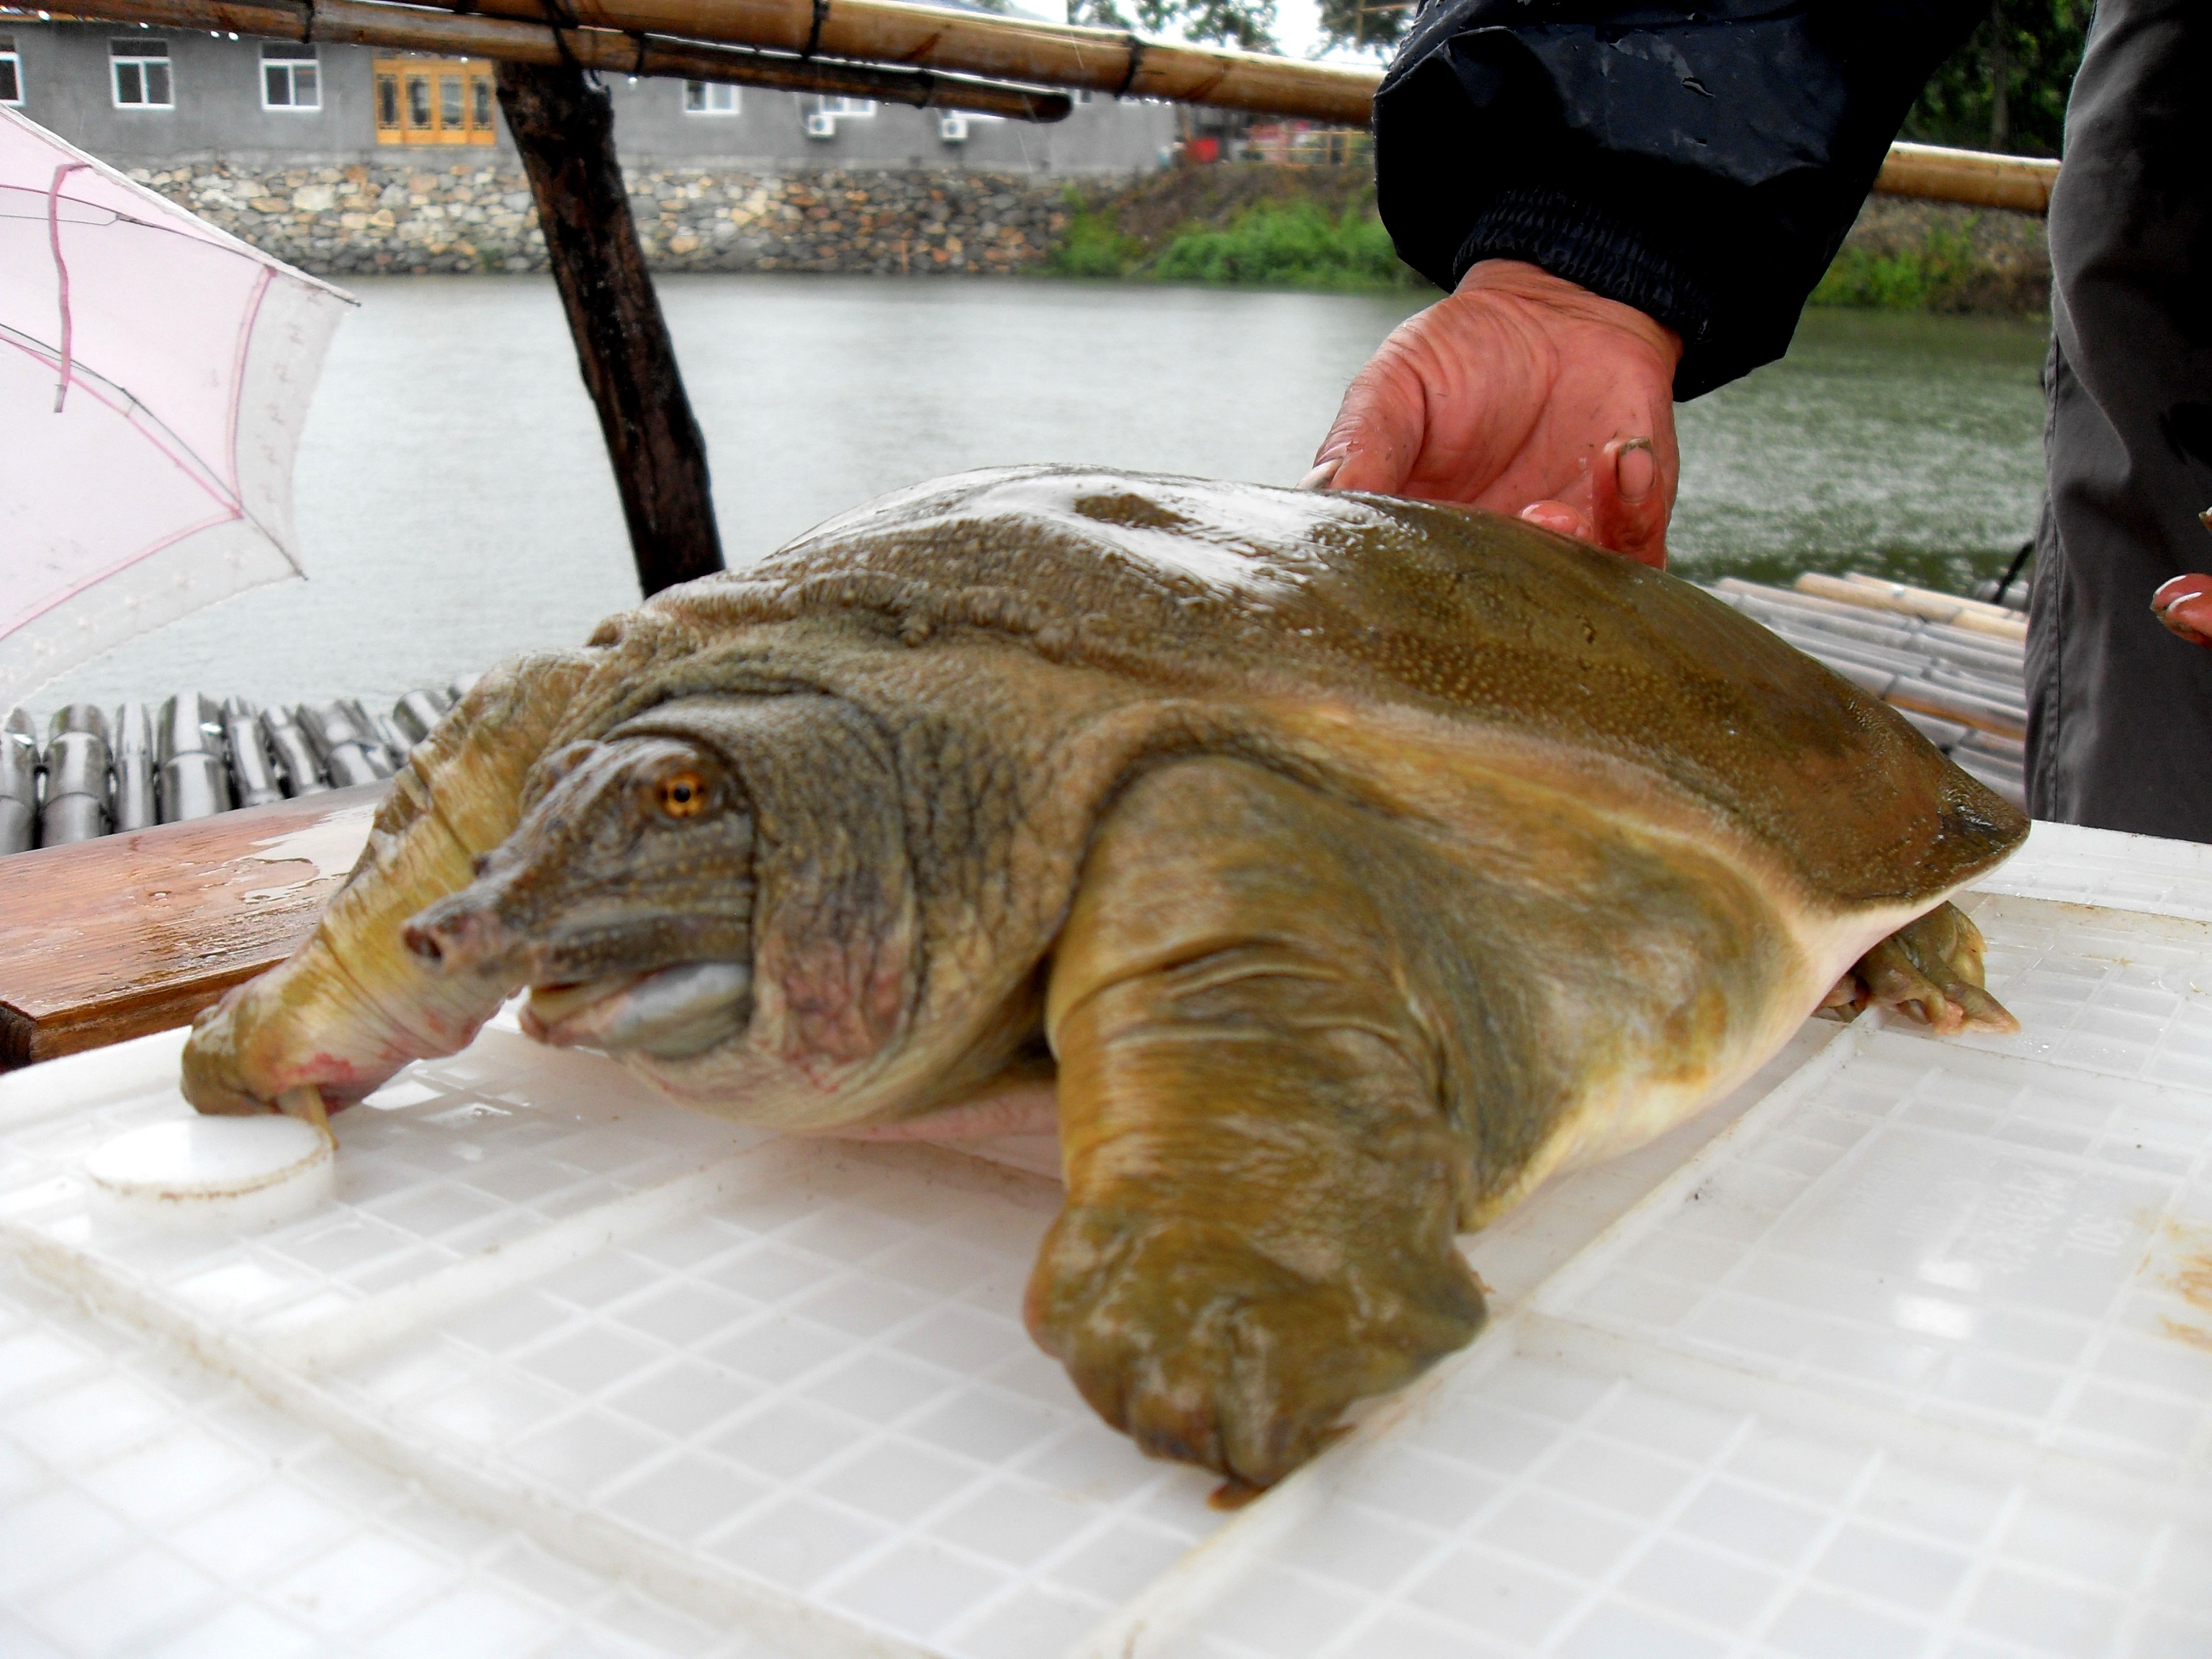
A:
1262,1186
1930,968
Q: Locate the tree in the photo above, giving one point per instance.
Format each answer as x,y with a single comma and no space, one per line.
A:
1366,22
2006,89
1246,23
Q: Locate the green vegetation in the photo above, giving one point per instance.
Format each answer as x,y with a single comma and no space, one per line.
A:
1249,24
1287,244
1266,244
1094,245
1933,276
2006,89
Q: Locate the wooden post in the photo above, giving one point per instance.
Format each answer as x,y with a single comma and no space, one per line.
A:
565,130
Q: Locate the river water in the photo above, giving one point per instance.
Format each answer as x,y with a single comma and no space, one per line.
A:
455,506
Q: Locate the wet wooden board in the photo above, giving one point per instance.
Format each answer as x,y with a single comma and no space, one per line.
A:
137,933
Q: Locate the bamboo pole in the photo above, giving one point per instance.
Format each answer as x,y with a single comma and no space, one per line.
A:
406,28
1003,48
935,46
1109,60
1970,177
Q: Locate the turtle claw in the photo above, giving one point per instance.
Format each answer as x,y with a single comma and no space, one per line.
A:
1204,1350
1930,969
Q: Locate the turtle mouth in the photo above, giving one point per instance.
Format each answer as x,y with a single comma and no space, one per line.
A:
670,1013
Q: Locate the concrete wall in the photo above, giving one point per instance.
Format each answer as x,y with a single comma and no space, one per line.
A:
67,89
218,116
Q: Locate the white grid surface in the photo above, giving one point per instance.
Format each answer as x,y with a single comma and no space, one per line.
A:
1905,1350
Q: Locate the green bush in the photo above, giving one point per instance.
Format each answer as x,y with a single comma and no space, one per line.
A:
1093,246
1929,277
1286,246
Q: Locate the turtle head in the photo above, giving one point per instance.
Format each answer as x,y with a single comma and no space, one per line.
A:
623,899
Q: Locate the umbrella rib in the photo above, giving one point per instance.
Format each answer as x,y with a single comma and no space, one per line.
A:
139,418
97,577
61,269
238,397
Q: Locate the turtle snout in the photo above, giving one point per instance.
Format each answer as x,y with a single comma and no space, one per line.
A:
464,933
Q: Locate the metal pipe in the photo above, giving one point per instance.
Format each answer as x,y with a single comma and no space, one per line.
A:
296,756
344,749
19,784
190,780
418,712
135,806
76,796
249,767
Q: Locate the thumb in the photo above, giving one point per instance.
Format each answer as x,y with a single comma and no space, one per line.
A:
2184,605
1377,436
1631,497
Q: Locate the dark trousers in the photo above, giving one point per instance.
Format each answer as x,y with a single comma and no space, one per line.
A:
2119,730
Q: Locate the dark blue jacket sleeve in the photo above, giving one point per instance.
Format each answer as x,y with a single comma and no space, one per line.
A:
1702,165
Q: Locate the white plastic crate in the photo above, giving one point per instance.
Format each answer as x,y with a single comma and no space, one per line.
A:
1906,1349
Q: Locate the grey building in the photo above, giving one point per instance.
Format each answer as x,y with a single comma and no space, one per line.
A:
145,97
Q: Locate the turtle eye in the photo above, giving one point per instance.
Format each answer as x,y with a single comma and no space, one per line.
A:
681,795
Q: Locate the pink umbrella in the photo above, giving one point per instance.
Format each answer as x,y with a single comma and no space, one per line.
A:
154,374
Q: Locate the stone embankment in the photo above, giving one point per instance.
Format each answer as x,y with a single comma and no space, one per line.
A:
419,218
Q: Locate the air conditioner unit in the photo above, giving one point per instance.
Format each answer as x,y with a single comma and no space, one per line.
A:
952,127
822,124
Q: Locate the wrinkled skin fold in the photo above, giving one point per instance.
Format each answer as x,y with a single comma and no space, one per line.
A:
1334,868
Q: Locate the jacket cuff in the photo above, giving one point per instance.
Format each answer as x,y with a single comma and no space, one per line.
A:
1583,243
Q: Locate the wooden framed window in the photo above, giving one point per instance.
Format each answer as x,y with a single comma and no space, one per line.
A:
140,72
434,101
290,77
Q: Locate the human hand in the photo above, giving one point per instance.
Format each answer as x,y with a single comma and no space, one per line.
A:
2185,605
1523,393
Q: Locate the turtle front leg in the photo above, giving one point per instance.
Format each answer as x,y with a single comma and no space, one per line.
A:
1930,968
352,1006
1262,1184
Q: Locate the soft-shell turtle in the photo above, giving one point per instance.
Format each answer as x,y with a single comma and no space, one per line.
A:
1356,863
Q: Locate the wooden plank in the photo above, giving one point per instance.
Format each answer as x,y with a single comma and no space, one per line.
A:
137,933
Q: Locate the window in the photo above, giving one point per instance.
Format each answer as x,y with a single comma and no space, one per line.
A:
709,98
11,72
434,101
849,107
289,77
140,68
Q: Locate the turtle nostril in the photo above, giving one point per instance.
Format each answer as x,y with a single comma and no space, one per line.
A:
424,942
479,864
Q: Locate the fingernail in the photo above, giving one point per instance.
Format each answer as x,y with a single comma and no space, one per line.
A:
1556,516
2189,584
1637,469
1319,477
